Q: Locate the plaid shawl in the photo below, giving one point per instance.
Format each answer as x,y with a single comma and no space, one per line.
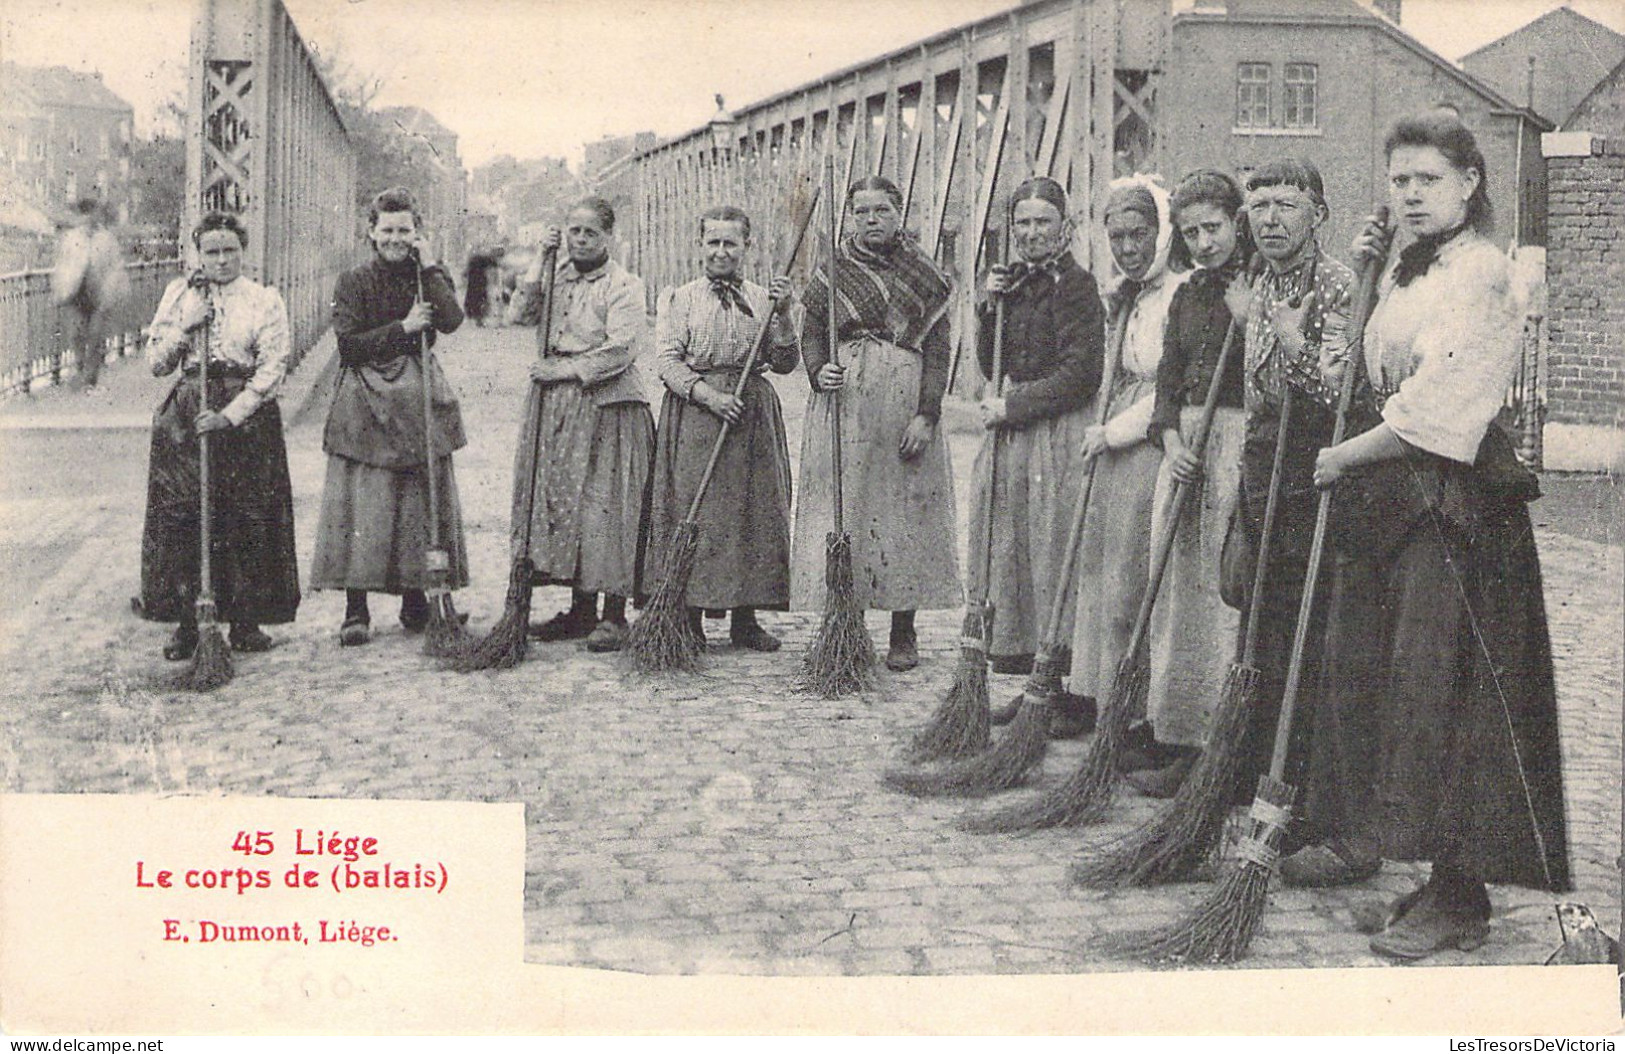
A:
899,294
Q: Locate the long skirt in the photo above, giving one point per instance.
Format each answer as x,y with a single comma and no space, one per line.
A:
591,483
1437,736
252,567
374,528
899,514
1193,633
743,555
1112,563
1038,472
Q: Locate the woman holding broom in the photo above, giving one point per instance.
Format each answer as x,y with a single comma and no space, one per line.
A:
1436,736
1187,670
1053,353
703,334
898,503
590,474
242,328
374,532
1115,545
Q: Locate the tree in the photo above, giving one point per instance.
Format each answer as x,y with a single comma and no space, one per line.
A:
158,184
386,156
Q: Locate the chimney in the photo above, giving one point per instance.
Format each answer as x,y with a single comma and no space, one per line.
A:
1389,8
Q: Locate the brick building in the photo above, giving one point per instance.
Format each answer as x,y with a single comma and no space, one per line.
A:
1585,272
1551,64
444,203
64,135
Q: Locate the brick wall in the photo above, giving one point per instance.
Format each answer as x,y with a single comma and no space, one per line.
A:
1585,273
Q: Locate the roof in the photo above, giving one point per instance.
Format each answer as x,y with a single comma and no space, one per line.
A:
60,86
417,121
1350,13
1565,13
1583,112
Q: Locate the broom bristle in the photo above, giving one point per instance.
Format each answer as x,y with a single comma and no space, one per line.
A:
959,728
444,635
211,660
1087,793
841,659
662,638
1008,762
1221,928
504,647
1184,834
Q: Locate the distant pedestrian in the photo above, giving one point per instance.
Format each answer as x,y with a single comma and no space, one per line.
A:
476,299
592,470
90,284
242,327
373,535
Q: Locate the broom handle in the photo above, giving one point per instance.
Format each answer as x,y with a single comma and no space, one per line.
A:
425,360
993,433
1249,646
205,577
550,261
834,215
1080,508
1182,492
750,364
1364,296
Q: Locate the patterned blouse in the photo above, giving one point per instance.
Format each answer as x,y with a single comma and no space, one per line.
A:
696,333
249,331
1325,326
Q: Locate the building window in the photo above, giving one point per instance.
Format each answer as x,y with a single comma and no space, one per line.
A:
1300,97
1253,95
39,150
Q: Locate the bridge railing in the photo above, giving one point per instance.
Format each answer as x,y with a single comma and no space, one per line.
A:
35,331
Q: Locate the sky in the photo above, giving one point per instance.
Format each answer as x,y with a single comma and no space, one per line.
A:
541,77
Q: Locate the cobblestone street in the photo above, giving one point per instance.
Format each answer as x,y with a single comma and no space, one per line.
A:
714,823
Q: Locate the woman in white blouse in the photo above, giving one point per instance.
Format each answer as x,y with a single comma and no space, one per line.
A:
1436,732
242,327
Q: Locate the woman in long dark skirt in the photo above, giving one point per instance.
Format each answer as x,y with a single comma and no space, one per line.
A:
242,327
703,334
1437,736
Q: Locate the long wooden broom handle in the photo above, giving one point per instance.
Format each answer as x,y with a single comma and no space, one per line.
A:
425,361
1182,491
1080,508
993,434
205,578
833,212
750,364
1364,301
1249,645
550,261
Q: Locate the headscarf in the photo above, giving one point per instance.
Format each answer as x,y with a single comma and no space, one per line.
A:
1145,194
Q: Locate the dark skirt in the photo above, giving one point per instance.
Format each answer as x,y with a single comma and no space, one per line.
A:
253,570
373,531
743,559
1437,736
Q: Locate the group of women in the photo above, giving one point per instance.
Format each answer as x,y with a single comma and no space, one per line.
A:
1430,731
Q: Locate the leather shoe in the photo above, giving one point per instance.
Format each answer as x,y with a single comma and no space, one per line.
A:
1373,916
752,637
903,655
355,632
1071,716
1003,715
181,644
1166,781
607,636
1321,867
1016,664
566,625
249,638
1427,928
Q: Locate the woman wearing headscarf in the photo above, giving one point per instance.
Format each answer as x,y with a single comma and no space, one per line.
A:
242,327
592,473
1436,738
898,500
373,534
1190,625
1032,454
1114,550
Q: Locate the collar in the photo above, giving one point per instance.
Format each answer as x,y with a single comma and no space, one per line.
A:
569,272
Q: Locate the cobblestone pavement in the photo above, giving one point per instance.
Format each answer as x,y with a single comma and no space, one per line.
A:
710,823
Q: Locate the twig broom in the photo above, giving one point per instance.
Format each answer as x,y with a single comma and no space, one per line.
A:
959,727
211,659
1222,927
661,639
504,647
443,635
841,658
1024,743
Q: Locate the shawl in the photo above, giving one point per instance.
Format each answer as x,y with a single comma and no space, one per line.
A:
898,294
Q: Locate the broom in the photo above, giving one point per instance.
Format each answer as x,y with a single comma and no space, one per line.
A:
1222,927
1085,795
211,659
841,658
444,635
662,640
1185,832
1024,743
504,647
959,728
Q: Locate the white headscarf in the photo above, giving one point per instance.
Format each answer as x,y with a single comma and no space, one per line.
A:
1151,183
